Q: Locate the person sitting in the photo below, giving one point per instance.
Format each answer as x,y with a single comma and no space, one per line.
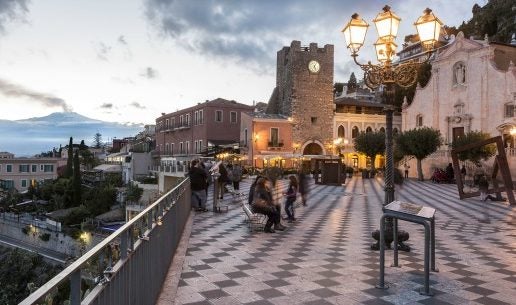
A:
263,204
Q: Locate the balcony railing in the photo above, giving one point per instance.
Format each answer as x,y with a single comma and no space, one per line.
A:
130,265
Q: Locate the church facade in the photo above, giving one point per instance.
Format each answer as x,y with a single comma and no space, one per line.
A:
473,87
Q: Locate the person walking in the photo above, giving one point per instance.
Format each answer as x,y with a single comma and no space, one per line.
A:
406,169
223,179
450,174
291,198
198,180
237,176
463,173
303,186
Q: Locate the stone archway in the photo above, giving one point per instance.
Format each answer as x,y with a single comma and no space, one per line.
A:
313,149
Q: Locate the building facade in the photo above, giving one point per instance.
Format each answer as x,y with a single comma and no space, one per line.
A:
472,87
266,140
193,130
21,173
353,116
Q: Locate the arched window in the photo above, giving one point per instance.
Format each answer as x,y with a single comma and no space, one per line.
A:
354,132
459,73
368,129
382,129
340,132
419,120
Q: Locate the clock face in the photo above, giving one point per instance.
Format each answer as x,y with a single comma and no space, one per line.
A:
314,66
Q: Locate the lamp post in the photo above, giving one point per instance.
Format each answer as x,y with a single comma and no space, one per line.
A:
385,74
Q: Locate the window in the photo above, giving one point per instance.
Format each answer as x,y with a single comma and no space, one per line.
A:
196,147
509,110
395,130
233,117
8,184
382,129
24,183
0,168
340,132
314,120
245,137
459,108
180,121
173,124
358,109
419,120
24,168
172,148
354,132
201,117
200,145
368,129
160,148
196,118
187,119
218,115
166,148
187,147
166,124
181,151
274,137
34,168
48,168
9,168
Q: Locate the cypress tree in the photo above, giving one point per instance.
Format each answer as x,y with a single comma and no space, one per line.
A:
69,162
76,181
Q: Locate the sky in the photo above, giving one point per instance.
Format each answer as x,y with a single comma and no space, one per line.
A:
130,60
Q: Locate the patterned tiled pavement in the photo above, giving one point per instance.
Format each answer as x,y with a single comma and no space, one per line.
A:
325,257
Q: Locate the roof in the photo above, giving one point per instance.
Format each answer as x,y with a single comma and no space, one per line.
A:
108,168
262,115
217,101
354,102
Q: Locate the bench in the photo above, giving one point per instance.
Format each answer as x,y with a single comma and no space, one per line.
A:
254,220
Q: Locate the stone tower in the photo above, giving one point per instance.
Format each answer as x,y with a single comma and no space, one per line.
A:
304,92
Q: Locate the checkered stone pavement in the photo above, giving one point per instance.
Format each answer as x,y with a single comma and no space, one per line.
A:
325,257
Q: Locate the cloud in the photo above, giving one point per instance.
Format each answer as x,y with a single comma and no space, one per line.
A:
149,73
102,50
121,40
107,106
251,32
137,105
11,10
48,100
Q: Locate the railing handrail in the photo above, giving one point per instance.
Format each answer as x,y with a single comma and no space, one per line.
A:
68,271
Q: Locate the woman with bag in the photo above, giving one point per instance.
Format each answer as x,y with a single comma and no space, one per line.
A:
263,204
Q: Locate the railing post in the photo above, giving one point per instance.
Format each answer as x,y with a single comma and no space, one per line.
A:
123,244
75,288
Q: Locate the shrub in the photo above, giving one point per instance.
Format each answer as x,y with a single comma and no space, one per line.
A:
44,237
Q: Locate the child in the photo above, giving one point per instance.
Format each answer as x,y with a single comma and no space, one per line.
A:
291,197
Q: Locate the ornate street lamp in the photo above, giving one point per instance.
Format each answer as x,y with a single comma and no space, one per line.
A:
387,75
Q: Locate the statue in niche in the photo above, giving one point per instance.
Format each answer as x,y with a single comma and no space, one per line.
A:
460,74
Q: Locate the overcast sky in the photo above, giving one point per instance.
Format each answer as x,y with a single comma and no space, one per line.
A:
130,60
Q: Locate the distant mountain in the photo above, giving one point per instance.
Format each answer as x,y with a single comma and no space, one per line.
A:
34,135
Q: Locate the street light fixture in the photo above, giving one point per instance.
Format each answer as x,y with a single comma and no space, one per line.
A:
387,75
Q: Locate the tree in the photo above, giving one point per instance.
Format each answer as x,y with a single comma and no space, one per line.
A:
133,192
352,83
76,181
475,154
420,143
69,161
338,88
370,144
97,140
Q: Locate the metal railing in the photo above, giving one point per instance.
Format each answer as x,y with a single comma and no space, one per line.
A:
130,265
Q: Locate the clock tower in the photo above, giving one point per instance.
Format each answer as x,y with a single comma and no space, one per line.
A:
304,93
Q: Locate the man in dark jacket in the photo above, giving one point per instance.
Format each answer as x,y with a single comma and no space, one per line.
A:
198,180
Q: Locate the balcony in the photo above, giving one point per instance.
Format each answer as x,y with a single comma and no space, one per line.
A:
272,145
